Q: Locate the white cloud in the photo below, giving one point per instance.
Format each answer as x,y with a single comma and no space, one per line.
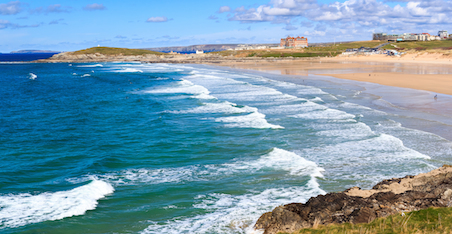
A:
213,17
58,21
353,15
4,24
55,8
7,24
158,19
240,9
224,9
94,7
314,33
290,27
10,8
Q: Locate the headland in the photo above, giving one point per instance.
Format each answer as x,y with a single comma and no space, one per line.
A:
389,197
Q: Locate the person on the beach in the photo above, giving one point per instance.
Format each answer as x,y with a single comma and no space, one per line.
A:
436,96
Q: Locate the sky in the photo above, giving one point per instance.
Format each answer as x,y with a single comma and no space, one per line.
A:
68,25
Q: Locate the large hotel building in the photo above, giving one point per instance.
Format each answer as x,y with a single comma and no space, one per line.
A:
294,42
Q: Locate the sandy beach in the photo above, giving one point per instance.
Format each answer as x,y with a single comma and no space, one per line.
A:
403,87
429,72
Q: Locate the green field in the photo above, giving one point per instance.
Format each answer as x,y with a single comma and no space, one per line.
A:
420,45
431,220
115,51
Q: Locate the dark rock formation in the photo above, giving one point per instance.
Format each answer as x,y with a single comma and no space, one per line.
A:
433,189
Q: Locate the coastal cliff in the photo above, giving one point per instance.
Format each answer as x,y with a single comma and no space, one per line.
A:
432,189
71,57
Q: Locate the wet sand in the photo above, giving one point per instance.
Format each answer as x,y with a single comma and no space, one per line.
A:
402,88
428,76
438,83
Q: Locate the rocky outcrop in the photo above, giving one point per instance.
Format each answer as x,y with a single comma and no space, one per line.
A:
432,189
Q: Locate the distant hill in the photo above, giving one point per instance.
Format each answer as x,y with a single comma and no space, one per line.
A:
35,52
114,51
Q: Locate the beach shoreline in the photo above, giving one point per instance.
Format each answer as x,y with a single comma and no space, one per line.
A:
394,87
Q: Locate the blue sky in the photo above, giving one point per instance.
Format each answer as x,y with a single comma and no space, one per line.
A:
67,25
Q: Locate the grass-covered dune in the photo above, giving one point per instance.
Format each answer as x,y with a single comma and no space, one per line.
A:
421,45
115,51
316,51
431,220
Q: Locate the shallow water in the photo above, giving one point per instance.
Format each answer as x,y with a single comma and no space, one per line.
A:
156,148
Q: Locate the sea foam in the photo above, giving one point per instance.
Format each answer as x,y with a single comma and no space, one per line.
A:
223,107
253,120
132,70
226,213
32,76
181,87
276,159
23,209
91,65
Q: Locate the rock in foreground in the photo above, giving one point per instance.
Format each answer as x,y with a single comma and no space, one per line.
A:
432,189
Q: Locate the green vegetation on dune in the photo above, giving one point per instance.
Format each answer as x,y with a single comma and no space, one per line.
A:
115,51
316,51
431,220
299,54
276,53
421,45
341,47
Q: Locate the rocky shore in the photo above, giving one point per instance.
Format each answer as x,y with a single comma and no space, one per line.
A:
70,57
432,189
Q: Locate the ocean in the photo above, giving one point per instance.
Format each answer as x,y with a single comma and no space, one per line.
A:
161,148
22,57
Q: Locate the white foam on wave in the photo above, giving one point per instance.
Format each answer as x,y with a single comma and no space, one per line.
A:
301,89
32,76
277,159
383,149
325,114
225,213
255,94
86,75
280,159
230,89
130,70
23,209
223,107
93,65
182,87
253,120
316,99
351,131
291,109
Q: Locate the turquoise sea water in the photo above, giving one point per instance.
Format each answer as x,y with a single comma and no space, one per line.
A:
157,148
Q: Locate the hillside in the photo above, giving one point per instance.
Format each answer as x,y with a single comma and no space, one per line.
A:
370,209
194,48
114,51
420,45
318,50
